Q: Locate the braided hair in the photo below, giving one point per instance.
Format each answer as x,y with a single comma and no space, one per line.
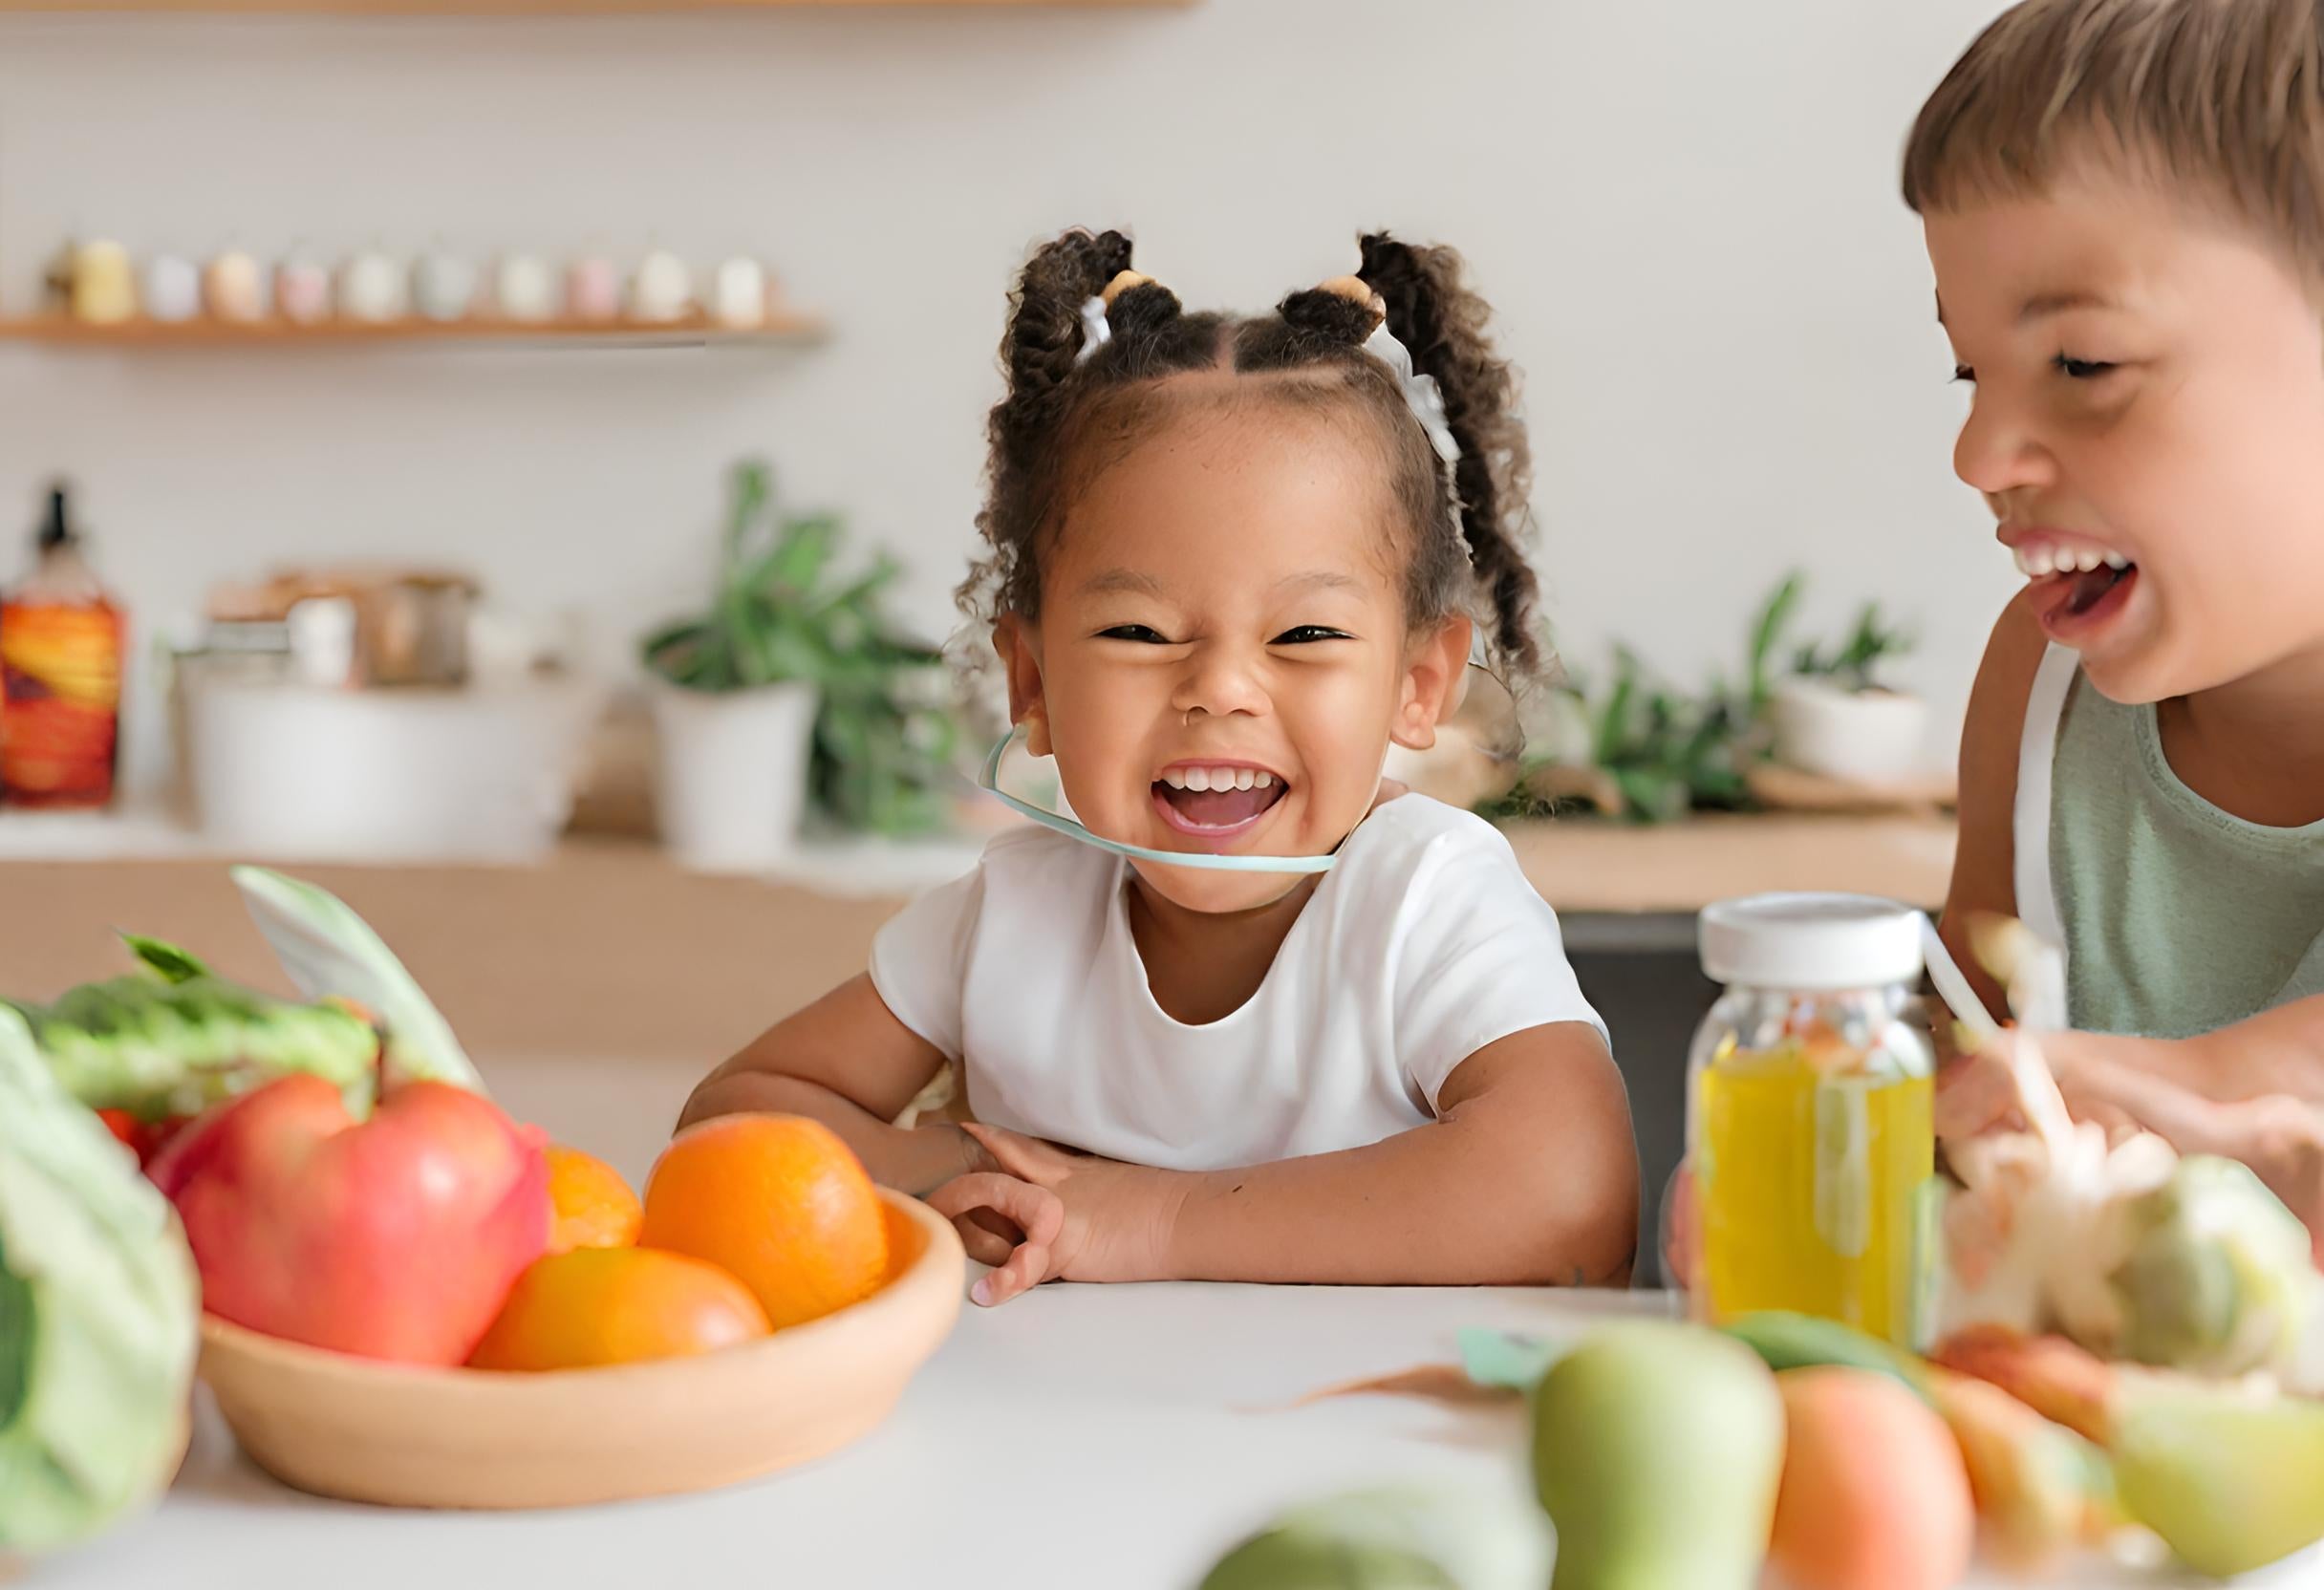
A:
1066,417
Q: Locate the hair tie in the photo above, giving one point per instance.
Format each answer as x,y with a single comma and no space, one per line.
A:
1421,393
1096,330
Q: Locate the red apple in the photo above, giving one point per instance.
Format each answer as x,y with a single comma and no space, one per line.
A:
395,1237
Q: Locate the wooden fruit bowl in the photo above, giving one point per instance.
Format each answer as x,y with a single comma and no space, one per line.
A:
406,1436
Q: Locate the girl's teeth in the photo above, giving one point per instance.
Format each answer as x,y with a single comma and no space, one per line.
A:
1218,778
2116,561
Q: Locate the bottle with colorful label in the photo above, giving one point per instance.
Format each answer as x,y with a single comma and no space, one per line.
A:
60,676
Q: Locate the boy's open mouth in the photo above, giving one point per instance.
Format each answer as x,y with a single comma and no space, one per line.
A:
2086,589
2075,605
2077,584
1216,799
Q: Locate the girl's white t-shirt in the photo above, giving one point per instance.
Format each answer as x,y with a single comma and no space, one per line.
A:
1423,944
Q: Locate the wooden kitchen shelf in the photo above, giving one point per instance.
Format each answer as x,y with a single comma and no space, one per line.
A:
139,336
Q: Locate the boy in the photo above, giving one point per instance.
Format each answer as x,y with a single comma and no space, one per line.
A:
2125,205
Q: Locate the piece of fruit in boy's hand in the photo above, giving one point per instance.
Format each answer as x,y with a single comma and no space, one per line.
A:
617,1305
395,1237
778,1201
589,1206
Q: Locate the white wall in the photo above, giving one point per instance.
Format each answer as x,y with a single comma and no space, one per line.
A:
1685,211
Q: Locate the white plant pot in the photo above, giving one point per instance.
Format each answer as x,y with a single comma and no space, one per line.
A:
731,774
1875,737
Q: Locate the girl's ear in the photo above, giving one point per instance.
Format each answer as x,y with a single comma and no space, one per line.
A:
1021,658
1435,681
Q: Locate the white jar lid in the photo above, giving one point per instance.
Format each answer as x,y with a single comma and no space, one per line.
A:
1811,941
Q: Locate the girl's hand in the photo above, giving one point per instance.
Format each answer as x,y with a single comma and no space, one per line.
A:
1076,1217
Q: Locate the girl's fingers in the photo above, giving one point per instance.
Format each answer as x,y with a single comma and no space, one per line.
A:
984,1245
1007,1196
1008,1231
1048,1219
1027,1268
1006,1149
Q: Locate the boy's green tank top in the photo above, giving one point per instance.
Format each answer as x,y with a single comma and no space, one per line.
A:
2178,918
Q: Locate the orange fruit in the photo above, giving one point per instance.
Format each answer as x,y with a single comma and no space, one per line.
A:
616,1305
589,1206
778,1201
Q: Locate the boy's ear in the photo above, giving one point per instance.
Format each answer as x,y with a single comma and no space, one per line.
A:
1021,658
1435,683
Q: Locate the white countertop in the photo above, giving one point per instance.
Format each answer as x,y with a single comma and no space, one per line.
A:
1101,1438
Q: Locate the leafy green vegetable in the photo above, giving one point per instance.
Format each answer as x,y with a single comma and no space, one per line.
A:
329,952
161,1048
174,965
98,1311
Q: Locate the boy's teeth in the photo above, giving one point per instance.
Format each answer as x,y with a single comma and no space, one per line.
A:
2039,562
1260,781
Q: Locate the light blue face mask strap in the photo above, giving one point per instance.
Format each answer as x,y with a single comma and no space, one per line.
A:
1195,859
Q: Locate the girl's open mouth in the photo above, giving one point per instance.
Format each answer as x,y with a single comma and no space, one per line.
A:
1216,801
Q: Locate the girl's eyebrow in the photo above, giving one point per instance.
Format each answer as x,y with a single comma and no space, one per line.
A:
1115,581
1318,579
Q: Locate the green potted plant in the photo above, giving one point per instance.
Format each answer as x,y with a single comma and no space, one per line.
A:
1644,751
1834,717
739,687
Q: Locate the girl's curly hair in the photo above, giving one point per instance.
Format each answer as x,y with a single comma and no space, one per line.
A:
1066,417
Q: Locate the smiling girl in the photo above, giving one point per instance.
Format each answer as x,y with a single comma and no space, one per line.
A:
1232,563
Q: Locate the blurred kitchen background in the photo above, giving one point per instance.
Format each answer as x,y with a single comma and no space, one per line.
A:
404,374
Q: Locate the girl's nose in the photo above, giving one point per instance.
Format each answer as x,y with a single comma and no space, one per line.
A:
1221,681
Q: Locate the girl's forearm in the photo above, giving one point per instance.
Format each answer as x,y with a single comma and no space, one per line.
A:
1454,1203
914,1160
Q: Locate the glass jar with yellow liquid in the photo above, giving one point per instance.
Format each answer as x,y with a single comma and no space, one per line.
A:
1811,1160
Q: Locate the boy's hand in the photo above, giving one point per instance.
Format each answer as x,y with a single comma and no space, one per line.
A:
1075,1216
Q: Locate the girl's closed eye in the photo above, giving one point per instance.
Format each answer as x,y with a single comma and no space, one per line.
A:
1141,634
1307,635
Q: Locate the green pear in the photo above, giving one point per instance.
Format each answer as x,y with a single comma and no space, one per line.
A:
1657,1449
